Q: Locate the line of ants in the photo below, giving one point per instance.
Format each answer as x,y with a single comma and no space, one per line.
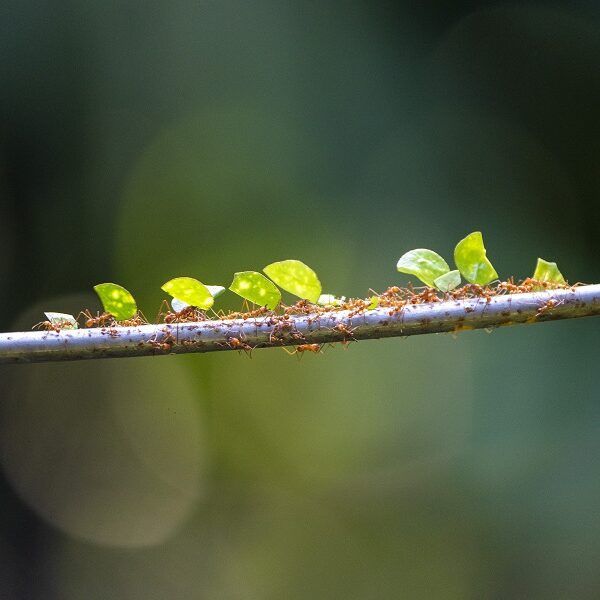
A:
186,315
347,333
394,298
238,343
105,320
190,314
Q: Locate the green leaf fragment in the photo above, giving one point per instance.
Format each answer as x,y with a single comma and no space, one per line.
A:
295,277
178,305
448,281
471,260
116,300
215,290
190,291
256,288
62,320
548,271
331,300
425,264
374,302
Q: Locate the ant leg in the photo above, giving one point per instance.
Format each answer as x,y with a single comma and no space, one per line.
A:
163,307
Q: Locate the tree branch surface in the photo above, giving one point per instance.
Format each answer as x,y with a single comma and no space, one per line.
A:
302,331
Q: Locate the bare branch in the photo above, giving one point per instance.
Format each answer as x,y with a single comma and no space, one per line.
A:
318,328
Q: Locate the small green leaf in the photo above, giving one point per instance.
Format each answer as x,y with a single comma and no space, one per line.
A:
62,320
116,300
190,291
256,288
548,271
448,281
374,302
295,277
471,260
330,300
425,264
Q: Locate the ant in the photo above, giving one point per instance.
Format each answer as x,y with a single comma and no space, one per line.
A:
47,326
165,344
302,307
509,286
279,330
237,344
473,290
187,314
100,320
427,295
57,323
346,331
548,306
135,321
261,311
302,348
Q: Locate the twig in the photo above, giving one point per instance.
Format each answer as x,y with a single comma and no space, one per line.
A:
318,328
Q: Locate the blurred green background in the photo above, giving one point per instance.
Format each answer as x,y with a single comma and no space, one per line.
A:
142,141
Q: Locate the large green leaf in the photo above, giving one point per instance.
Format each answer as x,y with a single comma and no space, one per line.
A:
295,277
425,264
256,288
190,291
448,281
548,271
471,260
116,300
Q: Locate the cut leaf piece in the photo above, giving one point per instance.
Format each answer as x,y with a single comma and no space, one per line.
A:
471,260
62,320
448,281
215,290
548,271
425,264
374,302
330,300
178,305
256,288
296,278
116,300
190,291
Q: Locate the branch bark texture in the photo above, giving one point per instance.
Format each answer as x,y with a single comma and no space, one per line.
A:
318,328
